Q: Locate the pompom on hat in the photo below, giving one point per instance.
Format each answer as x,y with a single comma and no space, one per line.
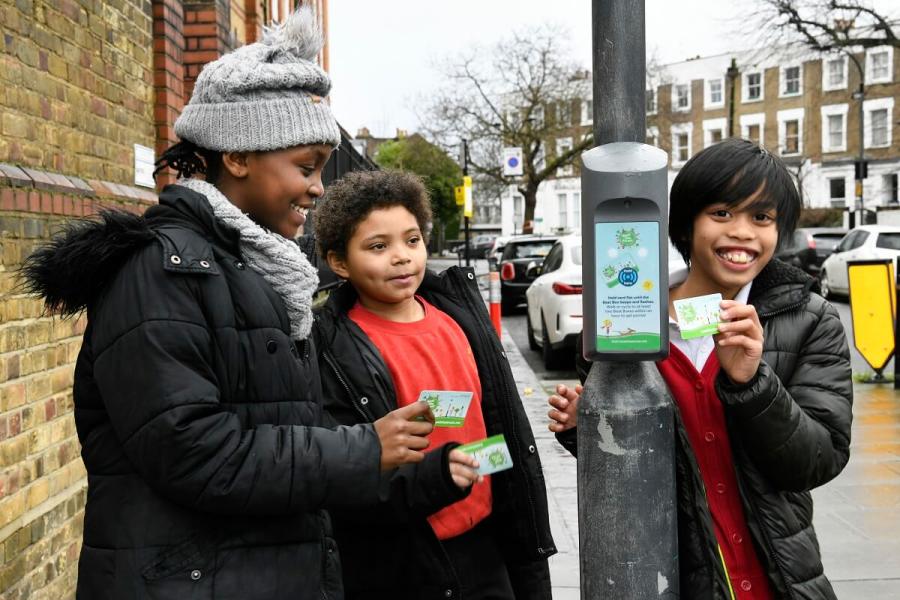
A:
268,95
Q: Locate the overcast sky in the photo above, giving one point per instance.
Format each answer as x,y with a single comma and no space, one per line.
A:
382,51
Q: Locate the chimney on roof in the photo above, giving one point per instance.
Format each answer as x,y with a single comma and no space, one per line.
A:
363,132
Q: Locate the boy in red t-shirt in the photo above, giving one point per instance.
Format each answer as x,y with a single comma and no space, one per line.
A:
442,531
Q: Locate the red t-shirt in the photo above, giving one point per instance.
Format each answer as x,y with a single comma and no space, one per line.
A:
704,419
434,354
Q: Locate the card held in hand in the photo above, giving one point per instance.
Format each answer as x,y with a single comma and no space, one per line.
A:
448,407
698,316
491,453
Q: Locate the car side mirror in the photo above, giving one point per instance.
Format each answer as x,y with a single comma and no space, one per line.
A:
533,270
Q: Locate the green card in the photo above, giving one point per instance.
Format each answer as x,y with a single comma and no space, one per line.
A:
698,316
449,407
491,453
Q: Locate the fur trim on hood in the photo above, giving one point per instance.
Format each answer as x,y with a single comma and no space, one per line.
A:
78,263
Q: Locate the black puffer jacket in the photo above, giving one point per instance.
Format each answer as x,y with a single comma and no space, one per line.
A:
198,417
790,432
392,552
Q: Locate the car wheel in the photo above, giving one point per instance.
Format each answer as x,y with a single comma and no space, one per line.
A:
553,359
532,343
826,287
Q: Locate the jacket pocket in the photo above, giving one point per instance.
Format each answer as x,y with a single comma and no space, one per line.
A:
182,571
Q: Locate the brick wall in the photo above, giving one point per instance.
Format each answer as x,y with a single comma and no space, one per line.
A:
81,82
76,94
42,484
76,85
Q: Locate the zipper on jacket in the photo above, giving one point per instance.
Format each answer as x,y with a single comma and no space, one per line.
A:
340,377
467,293
767,541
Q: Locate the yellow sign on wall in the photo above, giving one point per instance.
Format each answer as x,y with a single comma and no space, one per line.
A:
873,306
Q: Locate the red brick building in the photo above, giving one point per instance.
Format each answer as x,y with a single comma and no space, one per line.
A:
89,92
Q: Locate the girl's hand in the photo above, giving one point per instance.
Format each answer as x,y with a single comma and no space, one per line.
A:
739,344
402,433
564,414
462,469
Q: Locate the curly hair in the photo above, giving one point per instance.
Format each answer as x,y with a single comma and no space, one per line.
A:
349,201
187,158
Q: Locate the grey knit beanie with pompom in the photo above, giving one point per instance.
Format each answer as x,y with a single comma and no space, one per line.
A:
268,95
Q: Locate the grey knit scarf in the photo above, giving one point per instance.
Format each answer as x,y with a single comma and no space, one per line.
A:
279,260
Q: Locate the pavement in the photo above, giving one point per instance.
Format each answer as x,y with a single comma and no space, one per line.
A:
857,516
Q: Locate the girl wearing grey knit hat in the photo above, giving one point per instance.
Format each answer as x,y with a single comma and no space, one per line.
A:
197,394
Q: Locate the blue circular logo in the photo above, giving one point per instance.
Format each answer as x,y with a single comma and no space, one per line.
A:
513,161
628,277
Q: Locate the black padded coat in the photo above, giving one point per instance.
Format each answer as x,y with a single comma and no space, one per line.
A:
390,550
198,417
789,429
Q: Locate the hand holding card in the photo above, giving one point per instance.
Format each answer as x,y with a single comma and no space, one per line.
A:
491,453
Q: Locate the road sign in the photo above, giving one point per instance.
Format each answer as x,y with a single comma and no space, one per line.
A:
459,193
467,191
512,162
873,304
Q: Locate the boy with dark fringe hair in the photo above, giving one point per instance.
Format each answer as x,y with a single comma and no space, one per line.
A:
763,407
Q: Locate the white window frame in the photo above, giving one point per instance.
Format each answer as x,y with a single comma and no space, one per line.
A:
655,104
677,129
832,200
782,81
563,144
587,112
832,110
653,134
878,104
754,119
791,114
537,114
710,125
562,210
675,107
745,86
576,209
708,101
826,84
870,78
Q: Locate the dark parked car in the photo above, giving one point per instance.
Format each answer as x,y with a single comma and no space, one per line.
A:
482,244
810,246
519,254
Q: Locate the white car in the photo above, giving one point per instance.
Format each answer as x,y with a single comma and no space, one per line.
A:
555,303
867,242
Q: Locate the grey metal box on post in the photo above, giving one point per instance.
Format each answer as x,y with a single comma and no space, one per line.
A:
624,235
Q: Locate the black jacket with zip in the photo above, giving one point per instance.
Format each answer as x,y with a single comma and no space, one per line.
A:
391,550
200,419
789,429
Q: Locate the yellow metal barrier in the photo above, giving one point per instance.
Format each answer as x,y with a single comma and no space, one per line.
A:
873,307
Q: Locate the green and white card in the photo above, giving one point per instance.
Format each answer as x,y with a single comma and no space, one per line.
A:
698,316
449,408
491,453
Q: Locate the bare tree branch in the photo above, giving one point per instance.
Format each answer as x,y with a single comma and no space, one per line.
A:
523,92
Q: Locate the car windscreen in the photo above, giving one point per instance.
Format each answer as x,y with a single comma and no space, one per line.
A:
891,241
538,249
576,255
827,241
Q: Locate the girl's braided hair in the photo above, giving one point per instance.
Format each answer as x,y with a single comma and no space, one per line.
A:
187,158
